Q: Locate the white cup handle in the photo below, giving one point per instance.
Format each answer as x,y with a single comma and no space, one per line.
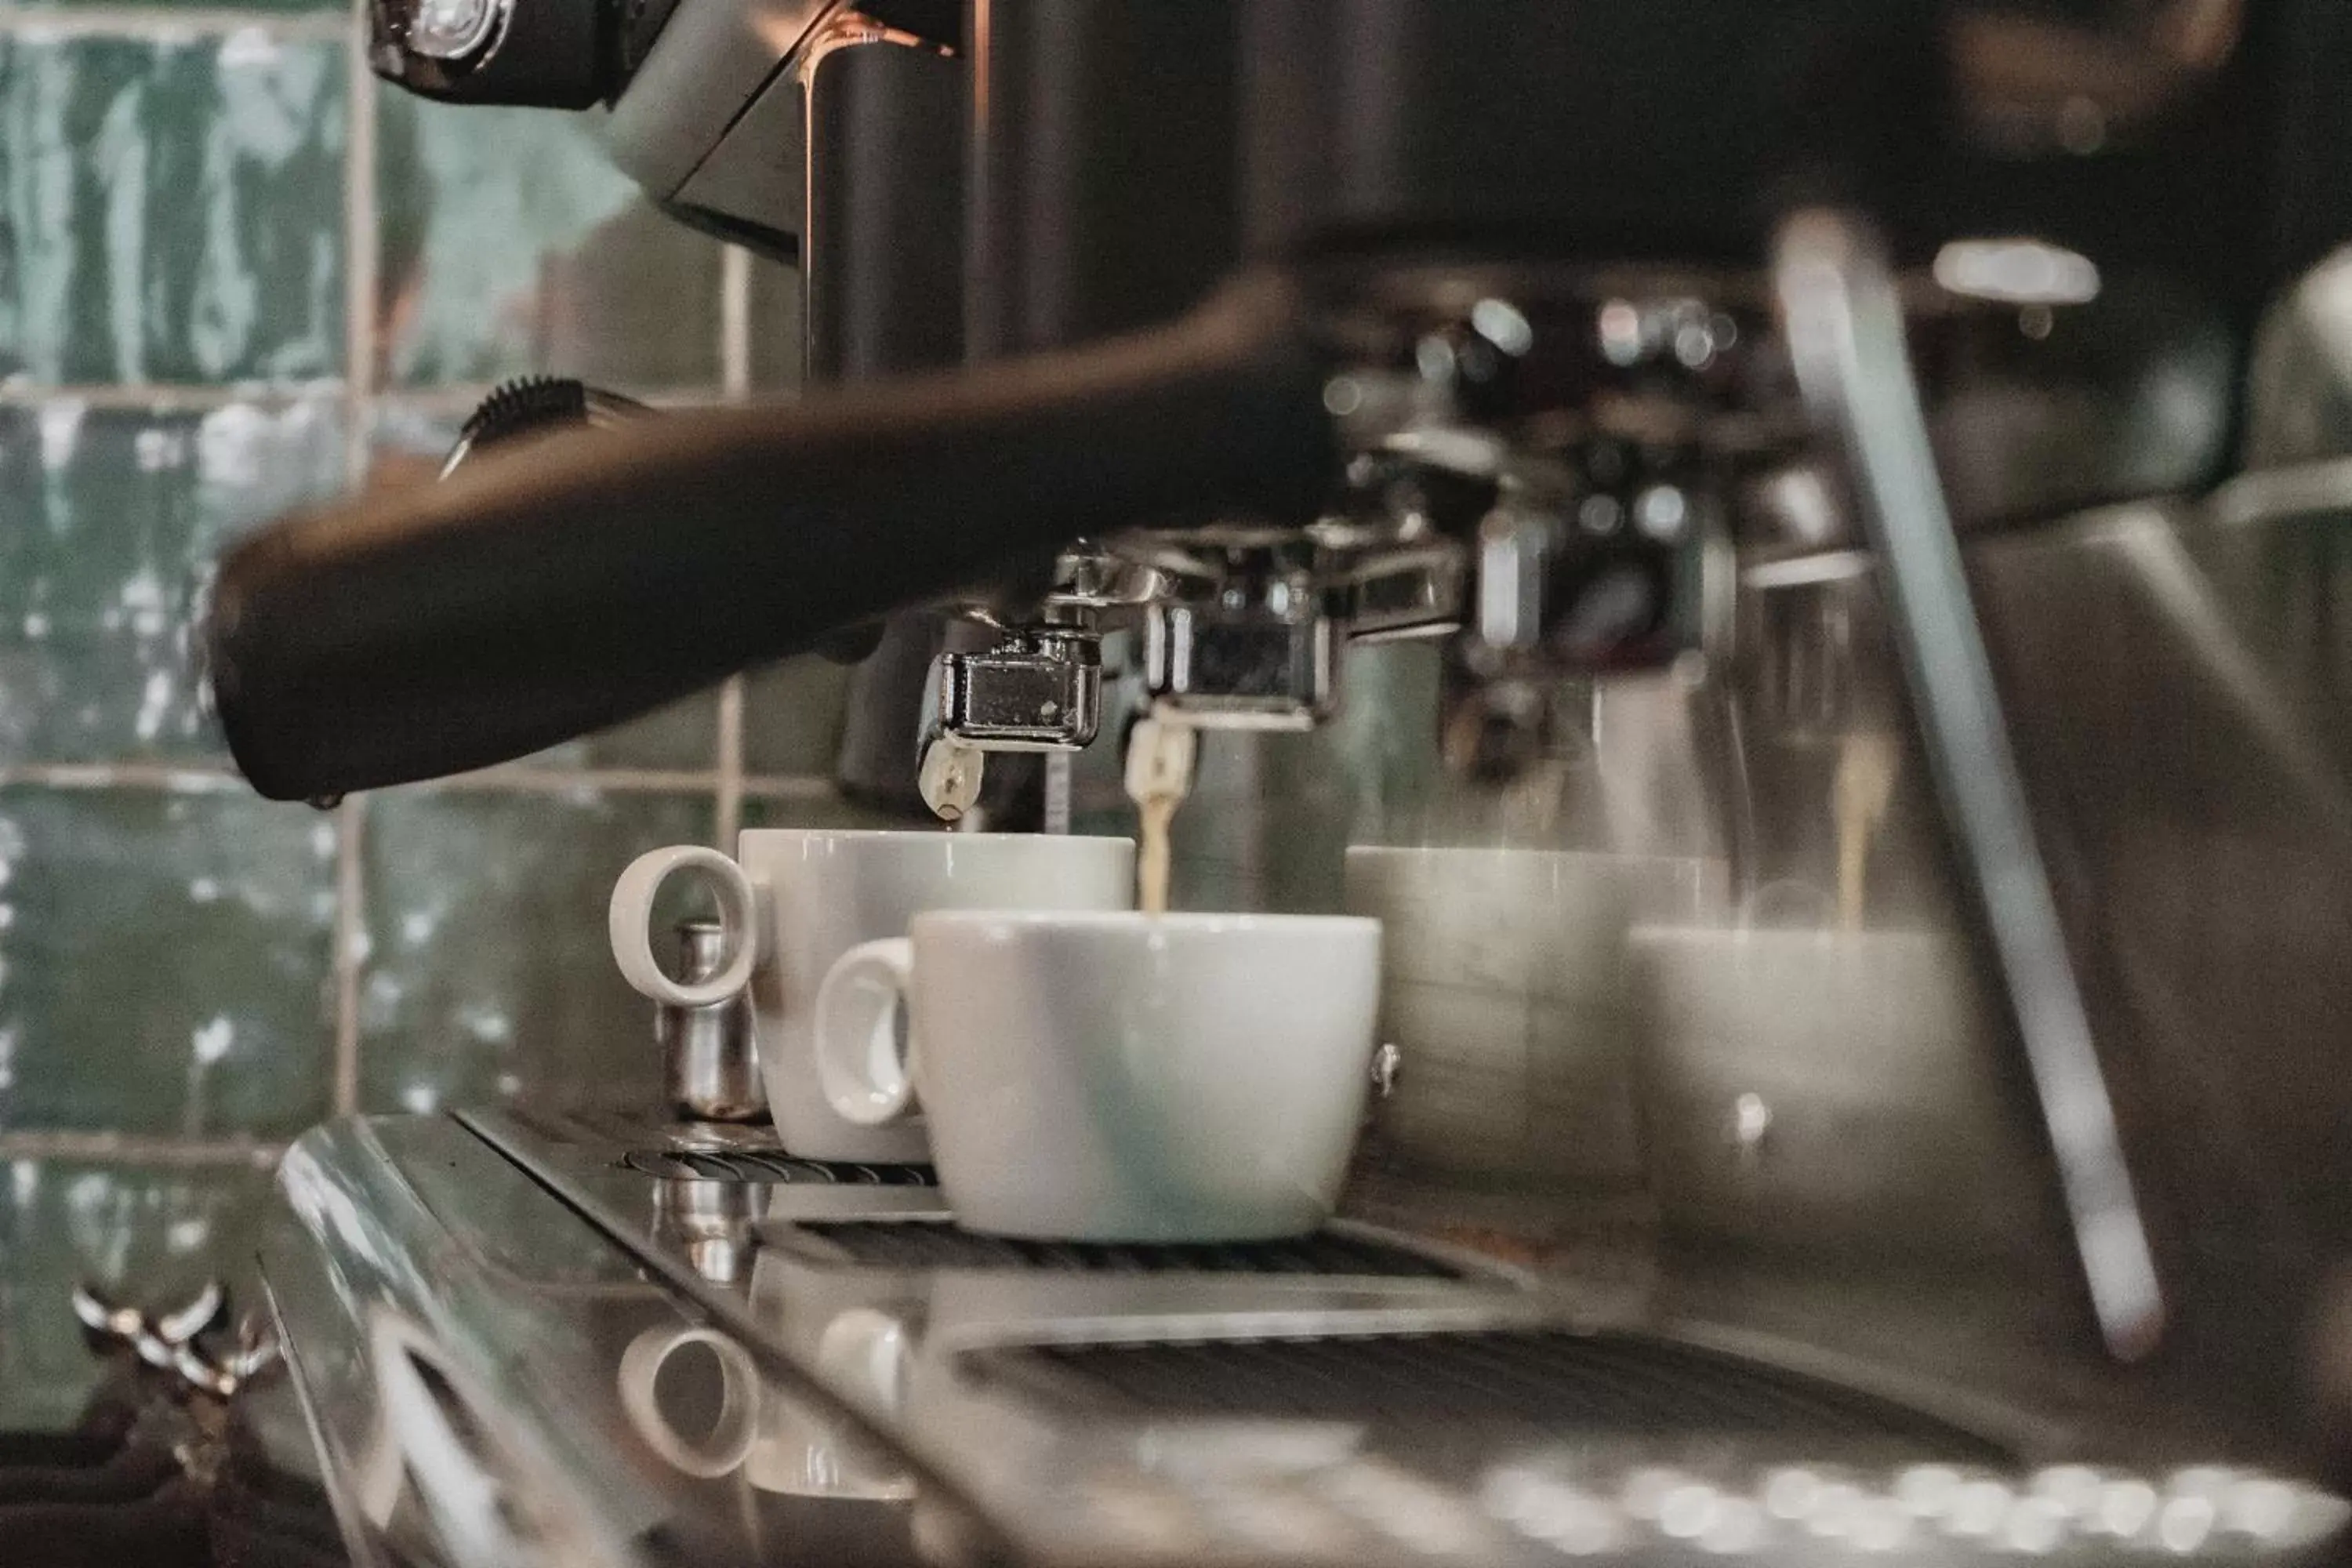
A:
631,918
728,1442
856,1025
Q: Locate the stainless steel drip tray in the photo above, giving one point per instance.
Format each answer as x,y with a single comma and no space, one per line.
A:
762,1167
817,1245
1360,1399
1524,1443
845,1247
946,1287
1351,1442
914,1242
1543,1381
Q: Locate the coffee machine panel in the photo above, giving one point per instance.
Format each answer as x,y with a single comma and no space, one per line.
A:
1731,517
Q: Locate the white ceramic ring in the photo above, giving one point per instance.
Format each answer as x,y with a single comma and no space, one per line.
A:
731,1434
856,1031
631,918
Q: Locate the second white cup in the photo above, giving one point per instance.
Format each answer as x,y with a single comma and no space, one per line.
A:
795,900
1507,991
1102,1076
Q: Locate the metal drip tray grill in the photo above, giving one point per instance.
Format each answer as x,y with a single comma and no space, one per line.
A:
758,1165
1562,1385
940,1244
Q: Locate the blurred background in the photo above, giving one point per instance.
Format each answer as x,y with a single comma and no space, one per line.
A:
235,276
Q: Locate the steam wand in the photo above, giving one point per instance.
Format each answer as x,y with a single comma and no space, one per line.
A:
1844,325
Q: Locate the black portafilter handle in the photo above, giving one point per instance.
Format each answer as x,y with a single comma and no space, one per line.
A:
584,578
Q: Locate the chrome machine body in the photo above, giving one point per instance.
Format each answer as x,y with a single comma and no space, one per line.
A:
1795,445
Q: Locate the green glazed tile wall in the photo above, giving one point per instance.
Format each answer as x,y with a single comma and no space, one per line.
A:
238,276
509,243
168,961
110,520
174,207
453,1009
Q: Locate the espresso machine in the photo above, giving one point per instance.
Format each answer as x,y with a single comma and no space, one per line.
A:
1796,445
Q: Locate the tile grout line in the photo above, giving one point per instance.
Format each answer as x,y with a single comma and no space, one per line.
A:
455,397
137,1148
360,233
160,24
359,351
167,396
789,786
163,777
735,384
506,779
726,807
514,779
350,941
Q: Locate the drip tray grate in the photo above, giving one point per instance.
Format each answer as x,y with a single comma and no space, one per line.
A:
940,1244
1568,1386
758,1165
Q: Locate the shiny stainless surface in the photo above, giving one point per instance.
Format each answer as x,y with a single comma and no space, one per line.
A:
1845,323
1041,1385
2277,547
458,1339
506,1354
2299,381
2170,679
1504,986
1825,1092
711,1220
1032,691
1491,485
1817,1098
1549,467
2198,847
368,1288
710,61
2174,676
1255,655
710,1055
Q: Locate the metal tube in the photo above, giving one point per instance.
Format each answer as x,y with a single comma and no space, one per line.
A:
1844,326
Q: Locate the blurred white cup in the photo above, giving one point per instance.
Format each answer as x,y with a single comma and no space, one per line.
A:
1505,990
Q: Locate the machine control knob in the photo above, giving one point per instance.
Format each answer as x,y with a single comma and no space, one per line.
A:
546,54
534,405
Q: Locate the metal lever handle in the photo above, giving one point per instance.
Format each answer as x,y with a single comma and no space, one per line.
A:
1844,327
540,593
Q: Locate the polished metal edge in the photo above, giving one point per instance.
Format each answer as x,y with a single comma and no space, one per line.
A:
724,1311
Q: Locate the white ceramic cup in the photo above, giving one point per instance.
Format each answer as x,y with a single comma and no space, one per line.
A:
794,900
1833,1091
780,1442
1505,990
1115,1076
713,1444
864,1354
